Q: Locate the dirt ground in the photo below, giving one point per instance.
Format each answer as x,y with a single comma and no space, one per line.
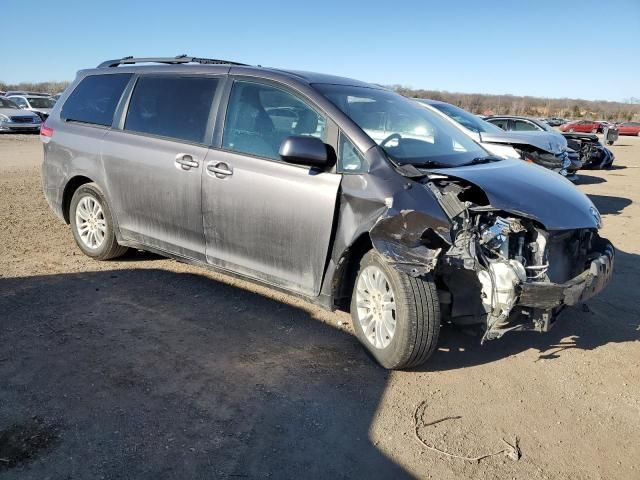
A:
149,368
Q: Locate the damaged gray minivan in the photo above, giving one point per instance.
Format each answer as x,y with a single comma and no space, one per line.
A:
339,191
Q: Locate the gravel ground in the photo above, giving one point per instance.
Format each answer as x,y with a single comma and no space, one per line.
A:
149,368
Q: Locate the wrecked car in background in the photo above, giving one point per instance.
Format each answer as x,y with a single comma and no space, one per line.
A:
629,128
548,149
593,154
342,192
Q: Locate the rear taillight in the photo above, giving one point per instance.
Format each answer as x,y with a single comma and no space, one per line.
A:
46,131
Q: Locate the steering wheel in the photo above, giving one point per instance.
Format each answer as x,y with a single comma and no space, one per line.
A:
393,136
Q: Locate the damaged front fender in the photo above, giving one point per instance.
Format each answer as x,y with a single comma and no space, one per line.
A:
407,241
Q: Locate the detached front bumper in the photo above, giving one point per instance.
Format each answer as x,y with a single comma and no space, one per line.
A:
580,288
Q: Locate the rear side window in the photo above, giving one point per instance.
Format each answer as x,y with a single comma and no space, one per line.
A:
522,126
95,98
174,107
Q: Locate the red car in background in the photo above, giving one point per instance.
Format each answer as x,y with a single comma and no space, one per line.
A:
629,128
583,126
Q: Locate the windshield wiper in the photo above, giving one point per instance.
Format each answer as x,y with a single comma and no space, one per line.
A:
431,164
480,160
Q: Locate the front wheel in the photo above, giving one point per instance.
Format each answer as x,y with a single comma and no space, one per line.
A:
92,224
395,316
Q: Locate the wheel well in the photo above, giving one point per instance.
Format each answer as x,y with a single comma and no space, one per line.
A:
348,266
69,190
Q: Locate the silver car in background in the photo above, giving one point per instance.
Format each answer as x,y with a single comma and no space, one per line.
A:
14,119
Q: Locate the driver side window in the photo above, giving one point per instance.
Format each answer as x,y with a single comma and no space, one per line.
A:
503,124
259,117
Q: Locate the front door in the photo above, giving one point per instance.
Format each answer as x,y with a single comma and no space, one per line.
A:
265,218
154,165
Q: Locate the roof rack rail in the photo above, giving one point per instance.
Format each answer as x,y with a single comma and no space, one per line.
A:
168,60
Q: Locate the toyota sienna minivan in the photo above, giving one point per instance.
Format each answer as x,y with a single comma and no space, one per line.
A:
339,191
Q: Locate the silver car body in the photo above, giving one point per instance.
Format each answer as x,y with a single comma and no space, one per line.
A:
18,120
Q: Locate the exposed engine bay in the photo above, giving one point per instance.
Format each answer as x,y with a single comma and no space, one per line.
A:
499,269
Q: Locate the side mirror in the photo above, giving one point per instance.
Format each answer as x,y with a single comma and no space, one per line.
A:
303,150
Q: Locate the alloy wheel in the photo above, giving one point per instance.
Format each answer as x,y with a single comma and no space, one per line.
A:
376,307
90,222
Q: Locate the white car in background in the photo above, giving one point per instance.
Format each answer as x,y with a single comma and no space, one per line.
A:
39,104
542,148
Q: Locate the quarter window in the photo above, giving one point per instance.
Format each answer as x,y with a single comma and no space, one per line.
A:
95,98
349,158
260,117
174,107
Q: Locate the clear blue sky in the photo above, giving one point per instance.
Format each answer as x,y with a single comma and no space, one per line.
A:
580,49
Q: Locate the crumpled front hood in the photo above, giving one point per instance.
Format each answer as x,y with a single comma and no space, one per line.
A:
530,191
547,141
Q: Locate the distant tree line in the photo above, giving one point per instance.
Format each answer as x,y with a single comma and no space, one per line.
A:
43,87
473,102
531,106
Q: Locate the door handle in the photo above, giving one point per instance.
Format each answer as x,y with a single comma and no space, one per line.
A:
186,161
220,169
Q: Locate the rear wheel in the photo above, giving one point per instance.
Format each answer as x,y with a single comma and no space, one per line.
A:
395,316
92,224
571,130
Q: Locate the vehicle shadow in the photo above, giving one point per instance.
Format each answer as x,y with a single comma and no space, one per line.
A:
608,205
147,373
611,317
588,180
133,255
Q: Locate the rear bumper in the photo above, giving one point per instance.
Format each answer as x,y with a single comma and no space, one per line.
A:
579,289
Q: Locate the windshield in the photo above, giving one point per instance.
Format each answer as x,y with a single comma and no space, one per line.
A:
41,102
466,119
4,103
406,131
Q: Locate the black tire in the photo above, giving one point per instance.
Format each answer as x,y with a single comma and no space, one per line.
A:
109,247
417,317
